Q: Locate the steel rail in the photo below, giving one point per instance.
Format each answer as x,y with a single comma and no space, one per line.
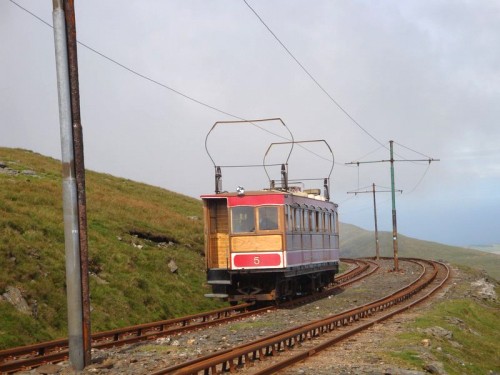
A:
30,356
56,350
365,268
230,359
332,341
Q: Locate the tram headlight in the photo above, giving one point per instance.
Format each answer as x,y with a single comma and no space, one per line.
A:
240,190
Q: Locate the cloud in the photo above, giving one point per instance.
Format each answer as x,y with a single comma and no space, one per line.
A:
423,73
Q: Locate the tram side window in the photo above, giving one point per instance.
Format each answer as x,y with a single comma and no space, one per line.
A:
287,217
297,218
268,218
290,220
243,219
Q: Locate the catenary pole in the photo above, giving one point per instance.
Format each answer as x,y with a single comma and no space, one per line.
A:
72,224
377,247
394,221
71,41
393,191
374,191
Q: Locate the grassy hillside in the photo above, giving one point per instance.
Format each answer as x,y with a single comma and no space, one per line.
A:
461,330
134,231
130,278
357,242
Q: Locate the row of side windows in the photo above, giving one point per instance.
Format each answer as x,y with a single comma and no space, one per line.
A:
247,219
303,220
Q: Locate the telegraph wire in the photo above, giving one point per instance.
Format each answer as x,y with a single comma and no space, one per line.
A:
427,156
312,77
315,80
188,97
135,72
170,88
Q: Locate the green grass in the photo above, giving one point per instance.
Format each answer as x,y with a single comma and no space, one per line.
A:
410,357
473,347
241,326
129,285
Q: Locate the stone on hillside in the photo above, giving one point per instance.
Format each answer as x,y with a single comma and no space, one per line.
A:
98,279
484,289
15,298
28,172
172,266
434,368
437,331
2,164
431,369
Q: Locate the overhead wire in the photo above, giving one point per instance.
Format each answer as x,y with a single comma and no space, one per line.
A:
186,96
420,180
333,100
399,144
143,76
313,78
430,159
371,152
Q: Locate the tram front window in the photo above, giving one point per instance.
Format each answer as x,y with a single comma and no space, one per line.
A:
268,218
243,219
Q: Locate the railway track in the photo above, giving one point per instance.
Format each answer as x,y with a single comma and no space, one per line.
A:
27,357
286,348
30,356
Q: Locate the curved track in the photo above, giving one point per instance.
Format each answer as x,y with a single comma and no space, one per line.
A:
26,357
316,336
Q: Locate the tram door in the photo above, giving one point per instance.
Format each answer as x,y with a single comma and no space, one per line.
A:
218,234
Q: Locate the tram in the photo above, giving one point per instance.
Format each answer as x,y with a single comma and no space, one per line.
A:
270,244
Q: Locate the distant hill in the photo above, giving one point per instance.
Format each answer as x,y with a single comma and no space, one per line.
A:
138,236
494,249
357,242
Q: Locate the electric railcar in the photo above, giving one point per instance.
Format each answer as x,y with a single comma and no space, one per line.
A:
269,245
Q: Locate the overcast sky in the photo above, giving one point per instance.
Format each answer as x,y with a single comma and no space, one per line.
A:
422,73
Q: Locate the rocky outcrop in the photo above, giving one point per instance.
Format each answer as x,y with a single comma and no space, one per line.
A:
484,289
14,296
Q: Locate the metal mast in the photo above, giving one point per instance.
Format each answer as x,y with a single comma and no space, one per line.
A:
377,246
73,172
374,191
394,222
393,191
